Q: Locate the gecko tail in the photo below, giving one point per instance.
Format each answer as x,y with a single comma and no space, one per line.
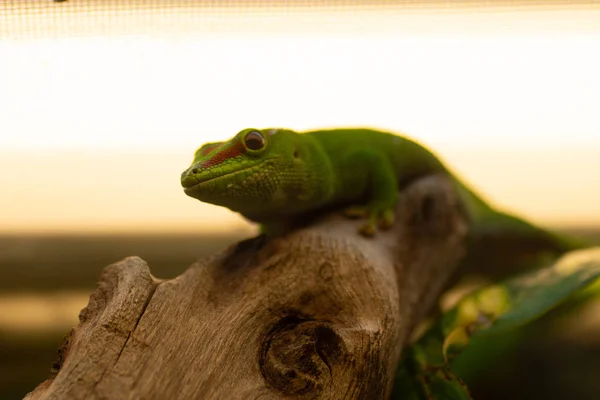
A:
501,245
509,228
489,222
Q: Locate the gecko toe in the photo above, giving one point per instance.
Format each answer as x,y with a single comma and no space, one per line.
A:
377,219
386,219
356,212
367,229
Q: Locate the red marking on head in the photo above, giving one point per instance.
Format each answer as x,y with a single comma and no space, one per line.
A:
208,148
224,152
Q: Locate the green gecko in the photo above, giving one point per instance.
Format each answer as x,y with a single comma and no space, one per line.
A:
277,176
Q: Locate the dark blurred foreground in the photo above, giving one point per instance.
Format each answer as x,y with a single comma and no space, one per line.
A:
549,366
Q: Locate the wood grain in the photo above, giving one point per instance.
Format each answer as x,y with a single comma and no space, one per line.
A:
321,313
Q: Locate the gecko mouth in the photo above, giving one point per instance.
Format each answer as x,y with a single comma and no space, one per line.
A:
192,184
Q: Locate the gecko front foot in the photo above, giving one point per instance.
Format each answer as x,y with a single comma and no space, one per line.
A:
384,219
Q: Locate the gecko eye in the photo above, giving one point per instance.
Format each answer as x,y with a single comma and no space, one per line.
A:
254,140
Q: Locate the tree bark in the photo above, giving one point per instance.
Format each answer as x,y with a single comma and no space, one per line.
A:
321,313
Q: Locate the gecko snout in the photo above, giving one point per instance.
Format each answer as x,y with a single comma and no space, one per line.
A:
188,178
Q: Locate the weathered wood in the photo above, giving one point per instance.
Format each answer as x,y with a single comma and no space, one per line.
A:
319,314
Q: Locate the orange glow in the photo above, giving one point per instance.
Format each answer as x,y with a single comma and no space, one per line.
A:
95,130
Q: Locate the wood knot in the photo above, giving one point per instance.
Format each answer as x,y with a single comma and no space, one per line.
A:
326,271
298,354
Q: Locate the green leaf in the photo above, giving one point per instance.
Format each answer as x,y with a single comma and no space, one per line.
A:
425,372
498,308
416,379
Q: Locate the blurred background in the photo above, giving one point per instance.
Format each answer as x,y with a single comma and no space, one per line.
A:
102,104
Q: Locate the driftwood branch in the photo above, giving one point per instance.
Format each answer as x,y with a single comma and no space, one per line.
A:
322,313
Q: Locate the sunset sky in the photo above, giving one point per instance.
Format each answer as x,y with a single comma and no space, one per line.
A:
95,129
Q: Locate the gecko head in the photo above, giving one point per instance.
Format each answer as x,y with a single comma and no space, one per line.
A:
260,173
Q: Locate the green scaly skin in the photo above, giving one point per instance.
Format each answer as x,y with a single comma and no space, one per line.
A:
277,176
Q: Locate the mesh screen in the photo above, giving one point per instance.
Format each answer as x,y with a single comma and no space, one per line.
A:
65,18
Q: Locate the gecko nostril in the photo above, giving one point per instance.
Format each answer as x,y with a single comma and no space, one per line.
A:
194,171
